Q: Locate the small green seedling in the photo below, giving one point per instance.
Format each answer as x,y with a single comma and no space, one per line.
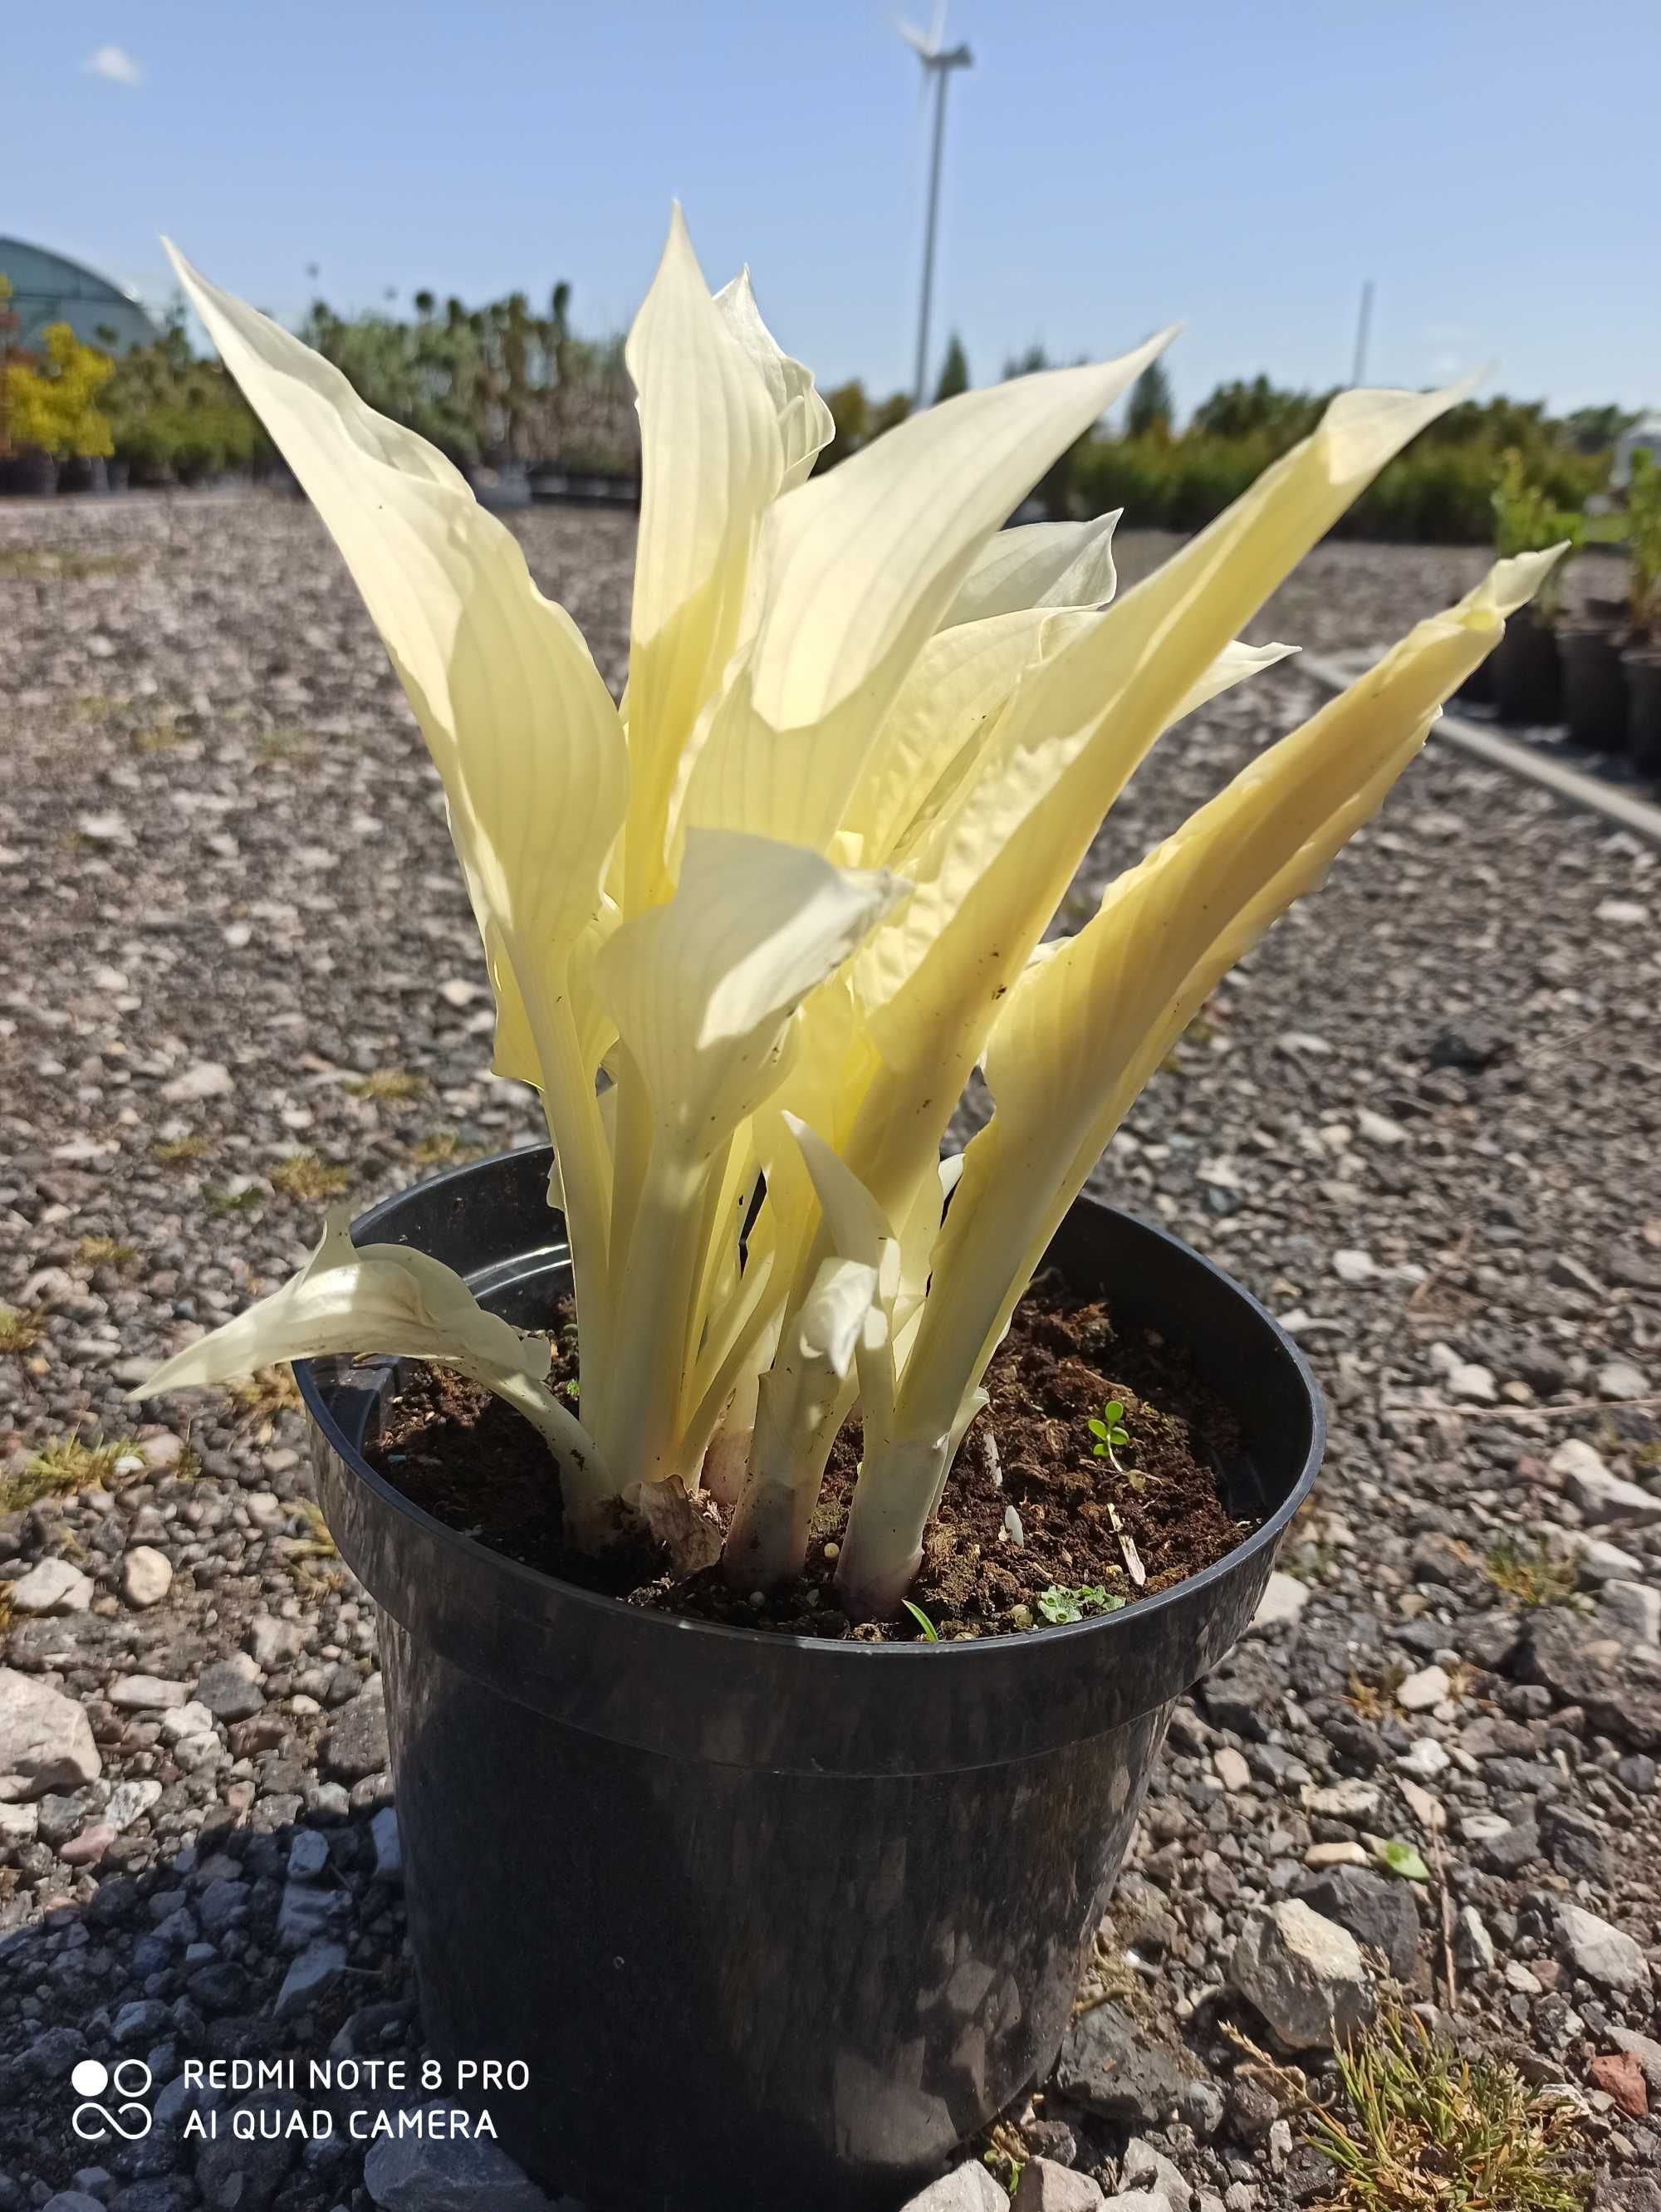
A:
1110,1431
1061,1603
926,1627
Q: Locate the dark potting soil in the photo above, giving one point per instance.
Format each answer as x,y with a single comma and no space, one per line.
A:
1086,1526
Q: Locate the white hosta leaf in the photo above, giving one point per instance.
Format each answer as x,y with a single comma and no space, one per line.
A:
701,989
1079,1033
1233,665
517,719
1039,564
806,424
348,1302
993,869
712,458
855,570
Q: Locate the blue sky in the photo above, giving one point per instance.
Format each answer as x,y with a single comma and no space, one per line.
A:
1239,165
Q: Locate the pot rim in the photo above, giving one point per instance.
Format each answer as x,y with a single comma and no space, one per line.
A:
1143,1615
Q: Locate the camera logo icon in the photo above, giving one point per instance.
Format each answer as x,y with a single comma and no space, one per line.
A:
129,2079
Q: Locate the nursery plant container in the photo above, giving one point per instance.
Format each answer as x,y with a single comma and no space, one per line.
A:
769,1919
32,476
1526,683
1643,673
1594,687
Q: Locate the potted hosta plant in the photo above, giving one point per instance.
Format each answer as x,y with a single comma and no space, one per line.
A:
1524,678
721,1470
1641,661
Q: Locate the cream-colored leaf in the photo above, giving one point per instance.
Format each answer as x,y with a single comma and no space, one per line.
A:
855,570
1039,564
701,990
514,711
348,1302
1080,1034
712,458
806,424
993,869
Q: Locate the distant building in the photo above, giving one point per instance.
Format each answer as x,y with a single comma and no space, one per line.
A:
49,288
1643,436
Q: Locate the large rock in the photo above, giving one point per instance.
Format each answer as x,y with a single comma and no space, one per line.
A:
434,2172
1109,2065
1379,1913
1617,1690
1601,1496
243,2173
54,1586
1283,1599
355,1746
1603,1954
46,1741
1045,2186
1304,1974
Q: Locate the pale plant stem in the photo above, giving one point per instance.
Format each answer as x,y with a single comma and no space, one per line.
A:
571,1107
802,1404
882,1547
638,1436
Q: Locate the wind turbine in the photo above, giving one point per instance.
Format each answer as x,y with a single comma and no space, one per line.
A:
938,62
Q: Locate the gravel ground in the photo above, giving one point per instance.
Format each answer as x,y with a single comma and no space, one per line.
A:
1421,1123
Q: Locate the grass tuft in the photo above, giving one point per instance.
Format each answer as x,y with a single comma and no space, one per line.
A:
305,1176
443,1148
287,748
1528,1574
104,1252
66,1464
391,1083
261,1396
173,1151
220,1200
1431,2131
19,1331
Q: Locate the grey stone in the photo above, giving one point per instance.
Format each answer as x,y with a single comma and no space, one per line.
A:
1142,2167
320,1968
73,2200
1428,1687
308,1856
229,1689
1380,1913
46,1741
1634,1609
1596,1559
1603,1954
1620,1695
434,2173
1304,1974
137,2024
1047,2186
1473,1945
1108,2064
146,1693
1619,1378
54,1586
308,1913
146,1576
388,1847
355,1746
237,2175
202,1078
1283,1599
1600,1495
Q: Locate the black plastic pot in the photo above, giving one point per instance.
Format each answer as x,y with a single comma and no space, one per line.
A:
1594,687
32,475
770,1920
1525,672
1643,673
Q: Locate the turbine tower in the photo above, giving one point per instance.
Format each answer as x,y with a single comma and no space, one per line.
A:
938,62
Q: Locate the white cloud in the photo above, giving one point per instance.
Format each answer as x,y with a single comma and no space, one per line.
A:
114,64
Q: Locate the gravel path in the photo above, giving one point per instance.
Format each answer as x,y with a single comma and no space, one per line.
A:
239,976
